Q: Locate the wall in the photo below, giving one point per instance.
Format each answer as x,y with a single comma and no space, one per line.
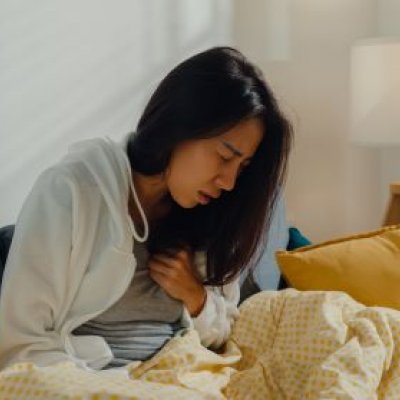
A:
388,25
72,70
333,187
78,69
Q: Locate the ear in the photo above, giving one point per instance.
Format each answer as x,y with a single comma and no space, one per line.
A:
164,176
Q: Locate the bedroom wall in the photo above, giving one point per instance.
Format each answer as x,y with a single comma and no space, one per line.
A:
78,69
333,187
388,25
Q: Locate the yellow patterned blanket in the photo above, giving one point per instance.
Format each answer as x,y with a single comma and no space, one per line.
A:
284,345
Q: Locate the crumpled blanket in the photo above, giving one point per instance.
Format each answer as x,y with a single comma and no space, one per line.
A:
315,345
284,345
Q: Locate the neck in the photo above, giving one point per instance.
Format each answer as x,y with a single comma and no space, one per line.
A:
153,196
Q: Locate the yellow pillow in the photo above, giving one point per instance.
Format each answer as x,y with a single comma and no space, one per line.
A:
365,266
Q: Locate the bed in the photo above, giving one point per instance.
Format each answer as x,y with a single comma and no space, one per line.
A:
285,345
298,343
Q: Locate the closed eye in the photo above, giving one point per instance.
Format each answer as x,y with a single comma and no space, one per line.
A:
225,158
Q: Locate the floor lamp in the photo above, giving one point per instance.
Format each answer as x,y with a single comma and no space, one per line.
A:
375,103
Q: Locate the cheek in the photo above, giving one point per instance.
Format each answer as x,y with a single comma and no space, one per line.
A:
186,172
190,170
200,169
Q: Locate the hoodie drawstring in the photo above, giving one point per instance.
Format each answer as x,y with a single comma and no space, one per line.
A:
136,199
142,214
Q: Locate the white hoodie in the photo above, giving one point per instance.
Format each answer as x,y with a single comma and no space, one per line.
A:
71,258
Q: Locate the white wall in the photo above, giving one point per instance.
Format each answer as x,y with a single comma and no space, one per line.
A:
77,69
333,187
82,68
388,25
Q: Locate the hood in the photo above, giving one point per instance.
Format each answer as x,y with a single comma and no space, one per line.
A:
108,165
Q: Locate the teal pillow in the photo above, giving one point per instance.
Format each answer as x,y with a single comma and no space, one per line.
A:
296,239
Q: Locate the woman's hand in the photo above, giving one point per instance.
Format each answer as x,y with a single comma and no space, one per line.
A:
177,276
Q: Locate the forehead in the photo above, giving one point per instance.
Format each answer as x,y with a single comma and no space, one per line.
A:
245,136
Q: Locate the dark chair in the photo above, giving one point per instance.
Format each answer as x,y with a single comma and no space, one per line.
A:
6,235
250,287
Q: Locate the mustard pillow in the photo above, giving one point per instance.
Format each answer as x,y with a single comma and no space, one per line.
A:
366,266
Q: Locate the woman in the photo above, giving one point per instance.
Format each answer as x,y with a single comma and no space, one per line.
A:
119,248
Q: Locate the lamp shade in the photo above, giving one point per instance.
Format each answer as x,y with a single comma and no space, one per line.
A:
375,92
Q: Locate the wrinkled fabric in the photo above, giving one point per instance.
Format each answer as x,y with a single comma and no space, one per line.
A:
284,345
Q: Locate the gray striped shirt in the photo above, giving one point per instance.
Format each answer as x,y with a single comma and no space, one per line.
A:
141,321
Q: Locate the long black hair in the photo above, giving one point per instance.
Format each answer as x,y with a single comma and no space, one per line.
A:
204,96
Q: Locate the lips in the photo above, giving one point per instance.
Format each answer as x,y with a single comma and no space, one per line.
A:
206,197
213,196
203,198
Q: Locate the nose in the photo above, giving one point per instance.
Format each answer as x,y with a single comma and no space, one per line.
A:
226,179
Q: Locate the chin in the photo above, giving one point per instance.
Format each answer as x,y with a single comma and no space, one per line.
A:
188,204
184,202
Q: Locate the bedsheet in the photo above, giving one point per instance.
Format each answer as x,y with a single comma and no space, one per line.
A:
315,345
284,345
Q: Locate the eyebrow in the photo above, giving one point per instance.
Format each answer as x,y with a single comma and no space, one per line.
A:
234,150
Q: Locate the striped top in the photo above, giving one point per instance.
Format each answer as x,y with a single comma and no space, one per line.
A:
141,321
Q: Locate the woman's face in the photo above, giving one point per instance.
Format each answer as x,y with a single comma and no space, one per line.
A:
199,170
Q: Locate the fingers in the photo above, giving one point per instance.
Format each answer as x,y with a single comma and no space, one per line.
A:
167,260
182,255
159,268
159,278
165,276
171,268
173,273
162,269
158,272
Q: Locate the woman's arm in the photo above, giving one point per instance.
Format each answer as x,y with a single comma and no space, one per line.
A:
35,281
214,323
180,276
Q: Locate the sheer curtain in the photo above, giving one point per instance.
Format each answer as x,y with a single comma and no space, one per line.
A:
71,70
